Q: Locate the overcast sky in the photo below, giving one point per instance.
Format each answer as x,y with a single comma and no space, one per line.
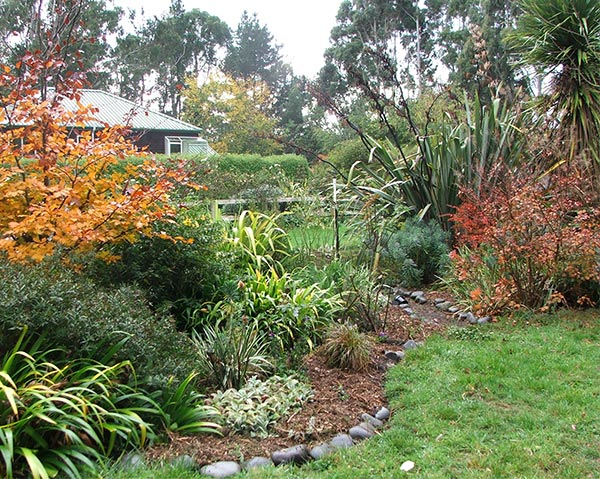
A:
301,27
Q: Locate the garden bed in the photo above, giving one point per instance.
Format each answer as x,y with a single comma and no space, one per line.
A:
340,397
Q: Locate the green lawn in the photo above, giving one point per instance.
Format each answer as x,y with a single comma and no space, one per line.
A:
501,401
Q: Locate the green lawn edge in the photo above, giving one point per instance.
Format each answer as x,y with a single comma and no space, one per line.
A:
500,401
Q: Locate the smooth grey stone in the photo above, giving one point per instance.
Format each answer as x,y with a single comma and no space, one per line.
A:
358,433
453,309
399,300
184,461
471,318
394,355
403,292
132,460
320,451
484,320
439,300
383,414
404,306
445,306
373,421
367,426
341,441
256,462
416,294
464,315
291,455
221,469
421,300
410,344
409,311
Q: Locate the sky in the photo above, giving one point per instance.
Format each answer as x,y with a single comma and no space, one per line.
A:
301,28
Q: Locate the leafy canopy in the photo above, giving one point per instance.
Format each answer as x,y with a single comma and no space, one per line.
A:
58,183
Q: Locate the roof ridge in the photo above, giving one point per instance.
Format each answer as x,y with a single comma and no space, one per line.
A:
140,107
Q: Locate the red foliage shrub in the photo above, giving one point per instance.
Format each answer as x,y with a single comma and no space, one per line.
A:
542,237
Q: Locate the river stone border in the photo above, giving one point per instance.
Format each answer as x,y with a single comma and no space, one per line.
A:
299,454
369,425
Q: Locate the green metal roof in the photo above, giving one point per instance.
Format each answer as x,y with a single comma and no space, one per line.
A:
114,110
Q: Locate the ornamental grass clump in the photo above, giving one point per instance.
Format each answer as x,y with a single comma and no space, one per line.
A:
64,417
345,347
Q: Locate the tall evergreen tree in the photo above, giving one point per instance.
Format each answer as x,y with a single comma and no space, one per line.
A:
77,31
253,55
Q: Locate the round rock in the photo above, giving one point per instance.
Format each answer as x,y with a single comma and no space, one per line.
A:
445,306
383,414
358,433
410,344
221,469
320,451
341,441
257,462
398,300
291,455
421,300
394,355
373,421
132,460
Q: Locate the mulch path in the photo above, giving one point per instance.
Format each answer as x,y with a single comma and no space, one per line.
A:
340,397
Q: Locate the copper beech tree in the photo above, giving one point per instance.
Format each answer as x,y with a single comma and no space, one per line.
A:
62,186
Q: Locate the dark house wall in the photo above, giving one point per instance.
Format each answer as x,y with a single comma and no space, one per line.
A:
155,139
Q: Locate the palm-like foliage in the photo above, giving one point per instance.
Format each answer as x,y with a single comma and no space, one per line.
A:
561,38
490,141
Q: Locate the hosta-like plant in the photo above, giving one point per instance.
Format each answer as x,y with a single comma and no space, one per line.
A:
291,313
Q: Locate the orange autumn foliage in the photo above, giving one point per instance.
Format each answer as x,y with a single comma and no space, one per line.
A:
59,185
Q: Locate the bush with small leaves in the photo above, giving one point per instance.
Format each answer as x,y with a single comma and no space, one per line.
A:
73,312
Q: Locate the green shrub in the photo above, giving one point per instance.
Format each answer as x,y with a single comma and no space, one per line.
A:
416,254
345,347
225,176
73,312
230,354
176,276
260,404
363,296
348,152
291,313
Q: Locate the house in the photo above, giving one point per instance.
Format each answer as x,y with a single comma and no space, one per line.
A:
157,131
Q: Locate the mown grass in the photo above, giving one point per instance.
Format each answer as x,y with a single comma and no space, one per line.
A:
321,238
503,401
